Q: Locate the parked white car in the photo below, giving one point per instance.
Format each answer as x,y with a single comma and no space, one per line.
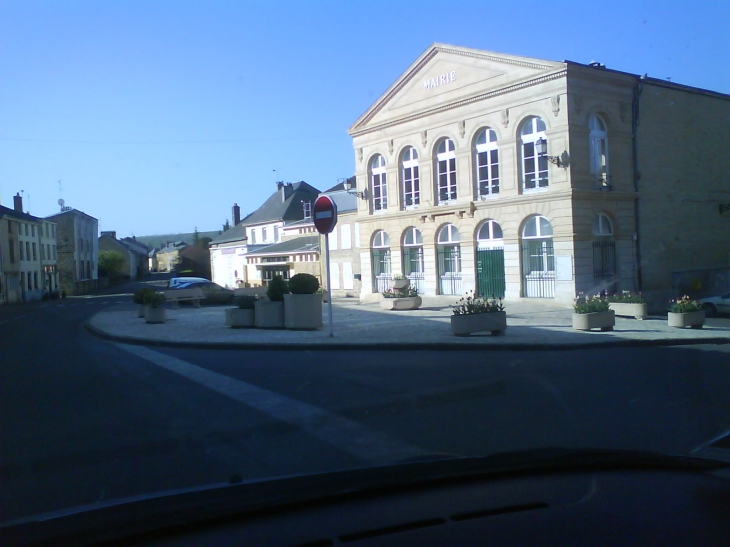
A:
716,304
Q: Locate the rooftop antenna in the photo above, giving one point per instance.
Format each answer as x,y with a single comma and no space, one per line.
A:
277,175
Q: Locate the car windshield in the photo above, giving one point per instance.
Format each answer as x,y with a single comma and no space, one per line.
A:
243,242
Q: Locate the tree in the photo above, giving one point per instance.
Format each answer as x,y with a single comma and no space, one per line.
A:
226,226
110,263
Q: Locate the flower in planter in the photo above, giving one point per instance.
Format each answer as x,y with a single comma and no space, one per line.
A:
407,292
626,297
398,277
684,305
471,305
592,304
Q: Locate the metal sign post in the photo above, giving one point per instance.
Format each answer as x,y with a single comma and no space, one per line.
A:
325,220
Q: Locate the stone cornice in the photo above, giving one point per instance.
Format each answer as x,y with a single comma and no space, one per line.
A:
463,102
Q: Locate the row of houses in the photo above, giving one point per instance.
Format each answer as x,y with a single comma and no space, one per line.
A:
514,177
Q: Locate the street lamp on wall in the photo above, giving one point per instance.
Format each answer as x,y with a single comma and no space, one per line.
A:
350,190
541,150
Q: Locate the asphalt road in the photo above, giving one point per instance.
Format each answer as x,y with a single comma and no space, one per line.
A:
85,420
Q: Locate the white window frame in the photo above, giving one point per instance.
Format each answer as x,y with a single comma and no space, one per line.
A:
378,183
494,236
446,172
410,179
598,143
541,175
487,174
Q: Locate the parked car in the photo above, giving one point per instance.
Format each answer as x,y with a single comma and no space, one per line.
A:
716,304
214,293
175,281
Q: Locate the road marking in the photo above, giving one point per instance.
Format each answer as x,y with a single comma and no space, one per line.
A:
16,317
342,433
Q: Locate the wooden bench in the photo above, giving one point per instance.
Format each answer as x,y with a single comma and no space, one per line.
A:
178,295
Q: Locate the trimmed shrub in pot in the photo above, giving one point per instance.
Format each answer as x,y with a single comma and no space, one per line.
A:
303,307
138,299
243,314
155,311
269,313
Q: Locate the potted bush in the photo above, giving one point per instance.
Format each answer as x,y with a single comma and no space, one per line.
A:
593,313
303,306
685,312
269,313
155,311
476,314
628,304
243,314
399,282
401,299
138,299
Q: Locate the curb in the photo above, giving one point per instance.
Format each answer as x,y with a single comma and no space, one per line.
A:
401,346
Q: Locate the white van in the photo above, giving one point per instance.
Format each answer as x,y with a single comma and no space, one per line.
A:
177,281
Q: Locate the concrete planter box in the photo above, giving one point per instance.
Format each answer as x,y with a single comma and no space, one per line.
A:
406,303
303,311
400,284
494,322
155,315
269,315
237,318
604,320
141,311
693,319
639,311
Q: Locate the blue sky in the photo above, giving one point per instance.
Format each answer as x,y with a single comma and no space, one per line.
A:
158,115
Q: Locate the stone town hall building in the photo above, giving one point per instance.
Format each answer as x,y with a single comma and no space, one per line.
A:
526,178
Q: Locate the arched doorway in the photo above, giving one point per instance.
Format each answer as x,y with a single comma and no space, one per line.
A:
449,259
380,260
490,260
412,251
604,254
538,259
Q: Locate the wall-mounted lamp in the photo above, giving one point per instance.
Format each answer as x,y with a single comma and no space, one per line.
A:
541,150
350,190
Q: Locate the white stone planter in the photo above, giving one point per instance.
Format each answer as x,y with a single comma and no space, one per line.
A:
400,284
269,315
155,315
303,311
693,319
604,320
141,311
406,303
238,318
639,311
494,322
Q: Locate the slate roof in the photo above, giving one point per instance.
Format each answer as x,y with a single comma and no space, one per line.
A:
274,209
236,233
172,247
345,201
8,212
298,244
134,245
72,211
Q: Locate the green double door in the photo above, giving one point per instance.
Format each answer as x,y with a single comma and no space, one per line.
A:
490,273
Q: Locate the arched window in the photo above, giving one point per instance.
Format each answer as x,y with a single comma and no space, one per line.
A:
534,166
378,183
446,171
412,253
449,260
380,260
490,235
538,258
602,225
487,158
598,140
410,178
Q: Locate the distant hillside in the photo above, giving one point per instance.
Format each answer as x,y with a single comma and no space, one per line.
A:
161,240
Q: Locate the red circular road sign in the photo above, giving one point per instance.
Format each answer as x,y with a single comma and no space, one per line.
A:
325,214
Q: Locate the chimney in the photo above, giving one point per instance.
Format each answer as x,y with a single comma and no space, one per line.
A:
111,233
18,203
286,191
236,214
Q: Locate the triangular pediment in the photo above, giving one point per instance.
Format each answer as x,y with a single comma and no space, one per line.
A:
445,75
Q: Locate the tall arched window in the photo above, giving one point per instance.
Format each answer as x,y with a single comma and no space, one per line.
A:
534,166
491,279
412,252
598,141
446,171
449,259
410,178
378,183
538,258
380,259
487,158
490,235
604,254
